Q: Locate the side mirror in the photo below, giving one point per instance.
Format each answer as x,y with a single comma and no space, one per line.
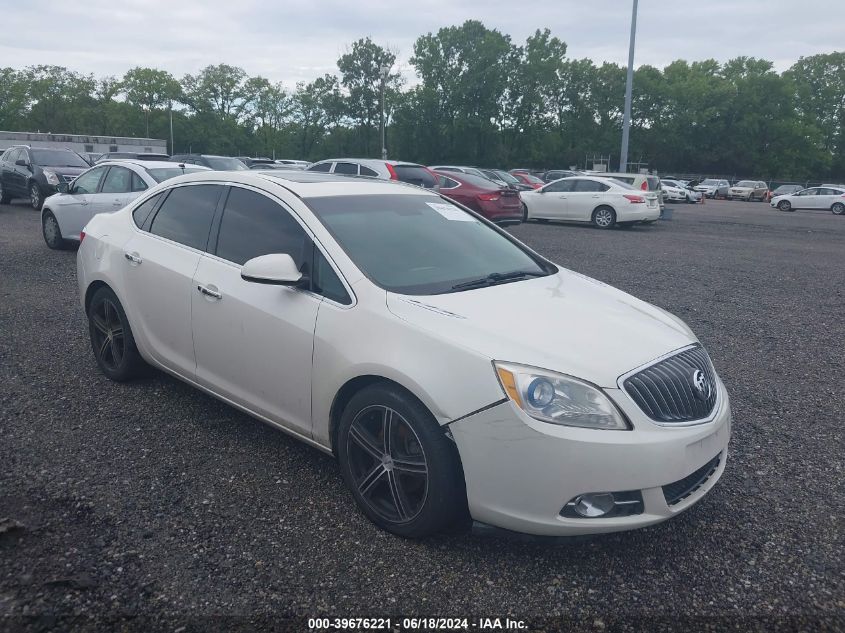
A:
276,269
21,162
62,187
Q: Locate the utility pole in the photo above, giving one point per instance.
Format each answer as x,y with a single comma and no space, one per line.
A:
172,147
626,120
384,71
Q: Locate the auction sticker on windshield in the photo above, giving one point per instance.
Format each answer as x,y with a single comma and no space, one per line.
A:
451,212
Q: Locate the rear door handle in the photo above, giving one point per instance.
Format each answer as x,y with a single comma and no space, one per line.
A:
208,292
133,257
597,196
117,202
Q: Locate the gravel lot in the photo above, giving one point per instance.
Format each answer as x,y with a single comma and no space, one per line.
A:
150,506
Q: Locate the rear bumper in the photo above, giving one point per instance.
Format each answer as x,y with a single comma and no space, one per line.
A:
637,213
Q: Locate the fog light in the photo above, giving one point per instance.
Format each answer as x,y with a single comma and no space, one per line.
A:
594,504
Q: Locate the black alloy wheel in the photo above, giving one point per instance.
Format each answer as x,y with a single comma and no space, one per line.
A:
111,337
403,471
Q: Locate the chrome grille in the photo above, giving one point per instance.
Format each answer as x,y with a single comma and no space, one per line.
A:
666,391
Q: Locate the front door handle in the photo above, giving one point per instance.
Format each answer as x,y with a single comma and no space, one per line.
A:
133,257
562,197
596,196
208,292
117,202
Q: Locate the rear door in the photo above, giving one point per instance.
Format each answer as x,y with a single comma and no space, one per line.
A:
254,342
585,197
159,265
17,175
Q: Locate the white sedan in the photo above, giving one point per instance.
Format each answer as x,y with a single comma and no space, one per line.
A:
831,197
109,186
380,323
605,202
677,191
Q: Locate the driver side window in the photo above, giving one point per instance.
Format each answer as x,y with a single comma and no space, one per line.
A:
88,182
560,186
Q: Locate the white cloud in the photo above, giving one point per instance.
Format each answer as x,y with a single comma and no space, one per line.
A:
299,40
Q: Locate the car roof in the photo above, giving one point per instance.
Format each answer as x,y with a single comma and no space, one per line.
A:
307,184
148,164
368,161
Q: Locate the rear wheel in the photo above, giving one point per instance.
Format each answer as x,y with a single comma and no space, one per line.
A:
403,471
111,337
604,217
51,231
784,205
838,208
5,198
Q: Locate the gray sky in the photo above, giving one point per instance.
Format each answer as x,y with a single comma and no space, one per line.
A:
297,40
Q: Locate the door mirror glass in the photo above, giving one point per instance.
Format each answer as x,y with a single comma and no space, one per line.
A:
21,162
62,187
277,269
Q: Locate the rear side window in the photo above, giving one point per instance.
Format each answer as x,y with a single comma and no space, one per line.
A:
143,210
416,175
366,171
118,180
185,216
590,185
448,183
321,167
254,225
349,169
629,181
138,183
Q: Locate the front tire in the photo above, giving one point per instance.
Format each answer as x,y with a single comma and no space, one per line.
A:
111,337
838,209
785,205
604,218
35,197
51,232
524,212
402,470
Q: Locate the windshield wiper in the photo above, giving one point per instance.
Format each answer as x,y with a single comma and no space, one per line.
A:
496,278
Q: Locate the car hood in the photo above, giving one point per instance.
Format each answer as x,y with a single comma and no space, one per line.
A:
566,322
706,187
66,171
742,188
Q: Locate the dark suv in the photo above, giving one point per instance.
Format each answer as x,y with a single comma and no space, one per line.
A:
35,173
218,163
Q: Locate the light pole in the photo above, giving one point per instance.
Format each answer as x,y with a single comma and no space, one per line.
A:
626,117
384,71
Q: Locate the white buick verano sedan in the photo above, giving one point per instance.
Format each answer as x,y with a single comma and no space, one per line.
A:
450,369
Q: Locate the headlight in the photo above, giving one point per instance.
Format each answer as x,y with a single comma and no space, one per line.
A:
558,399
52,178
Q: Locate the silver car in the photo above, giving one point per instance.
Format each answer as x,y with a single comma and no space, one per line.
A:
375,168
713,188
105,188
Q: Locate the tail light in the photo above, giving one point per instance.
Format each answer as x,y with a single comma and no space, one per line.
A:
391,171
644,186
81,236
634,199
537,185
489,197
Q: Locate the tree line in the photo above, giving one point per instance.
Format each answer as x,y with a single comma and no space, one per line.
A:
479,98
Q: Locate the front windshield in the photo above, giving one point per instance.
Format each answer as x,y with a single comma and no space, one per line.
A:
165,173
57,158
419,245
744,183
223,163
709,181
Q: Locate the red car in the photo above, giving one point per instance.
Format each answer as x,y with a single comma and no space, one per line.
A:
501,205
528,179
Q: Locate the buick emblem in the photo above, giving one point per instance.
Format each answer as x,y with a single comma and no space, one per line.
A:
701,385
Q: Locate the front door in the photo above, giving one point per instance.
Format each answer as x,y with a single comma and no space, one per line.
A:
254,342
73,209
552,201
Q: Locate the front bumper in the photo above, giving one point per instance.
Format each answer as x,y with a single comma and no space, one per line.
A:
520,473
